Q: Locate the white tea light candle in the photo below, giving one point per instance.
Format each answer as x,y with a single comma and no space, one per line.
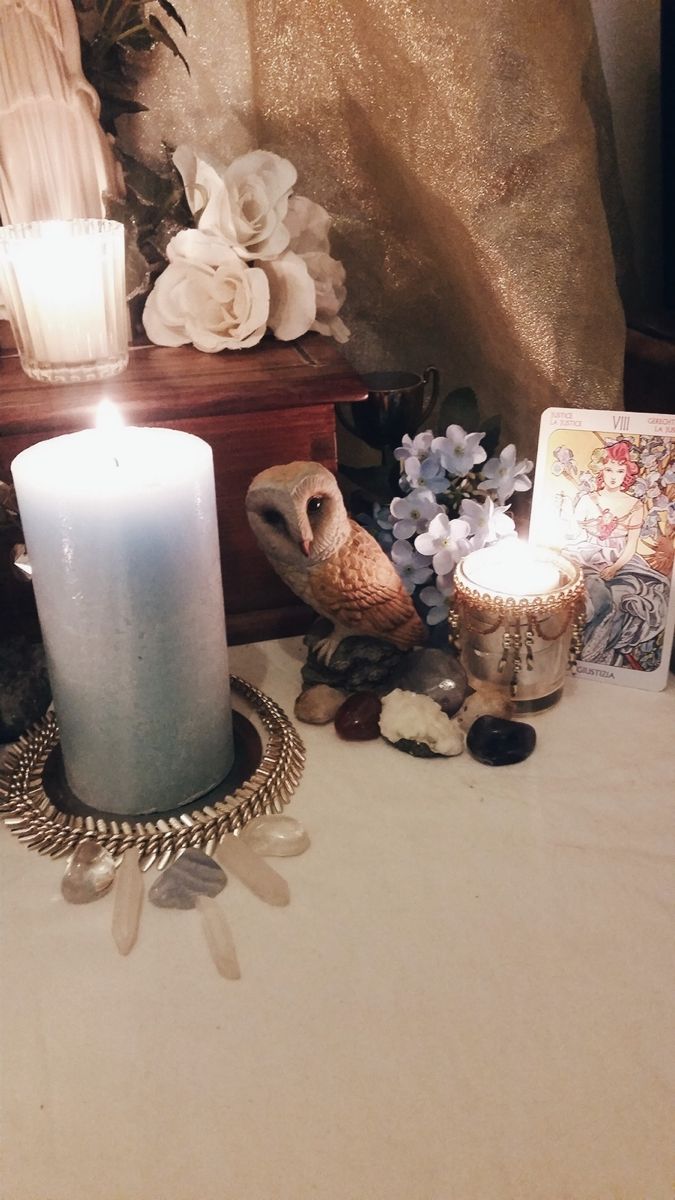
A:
122,536
517,615
64,287
512,568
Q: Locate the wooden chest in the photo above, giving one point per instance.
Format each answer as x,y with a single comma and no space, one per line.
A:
256,408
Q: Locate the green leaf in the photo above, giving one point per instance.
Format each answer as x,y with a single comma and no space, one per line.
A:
118,107
138,39
459,408
171,12
159,33
149,186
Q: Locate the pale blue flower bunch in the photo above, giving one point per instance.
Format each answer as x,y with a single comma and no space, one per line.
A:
453,502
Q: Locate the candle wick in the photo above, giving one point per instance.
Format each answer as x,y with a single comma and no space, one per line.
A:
116,461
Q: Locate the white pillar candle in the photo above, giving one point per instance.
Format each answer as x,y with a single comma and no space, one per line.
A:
122,537
511,568
64,286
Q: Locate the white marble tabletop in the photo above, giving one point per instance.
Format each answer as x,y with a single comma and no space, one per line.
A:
470,996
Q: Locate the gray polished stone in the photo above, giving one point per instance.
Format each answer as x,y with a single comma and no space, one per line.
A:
193,874
435,673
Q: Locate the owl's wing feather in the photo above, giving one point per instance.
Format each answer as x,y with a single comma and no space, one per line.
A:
359,588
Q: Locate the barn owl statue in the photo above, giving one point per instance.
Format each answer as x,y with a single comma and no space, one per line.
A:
299,519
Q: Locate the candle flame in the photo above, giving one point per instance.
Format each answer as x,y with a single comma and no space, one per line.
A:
108,417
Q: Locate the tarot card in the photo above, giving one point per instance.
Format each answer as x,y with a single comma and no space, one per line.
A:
604,495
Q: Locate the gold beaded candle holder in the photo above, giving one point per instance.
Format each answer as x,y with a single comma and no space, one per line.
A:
518,617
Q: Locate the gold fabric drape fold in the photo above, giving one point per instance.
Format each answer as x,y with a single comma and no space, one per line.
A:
453,142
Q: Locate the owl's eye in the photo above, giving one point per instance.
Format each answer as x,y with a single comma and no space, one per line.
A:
314,505
272,516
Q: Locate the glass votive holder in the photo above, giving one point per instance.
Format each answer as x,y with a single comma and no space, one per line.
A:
518,617
64,286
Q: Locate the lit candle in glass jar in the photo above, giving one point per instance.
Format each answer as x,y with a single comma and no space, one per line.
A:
511,568
517,613
64,287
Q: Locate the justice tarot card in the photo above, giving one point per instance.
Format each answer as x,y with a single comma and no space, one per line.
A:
604,495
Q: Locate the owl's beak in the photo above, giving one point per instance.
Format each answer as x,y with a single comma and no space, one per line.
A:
306,546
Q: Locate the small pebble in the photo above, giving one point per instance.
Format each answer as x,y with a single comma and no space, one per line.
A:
417,725
89,874
357,720
193,874
435,673
499,743
275,836
488,701
318,705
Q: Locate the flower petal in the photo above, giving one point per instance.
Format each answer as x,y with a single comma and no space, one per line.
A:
292,296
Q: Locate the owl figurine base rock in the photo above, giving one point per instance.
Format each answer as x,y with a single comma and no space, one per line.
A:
358,662
299,519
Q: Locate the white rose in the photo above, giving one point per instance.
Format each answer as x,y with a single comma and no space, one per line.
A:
292,296
247,205
206,296
308,224
329,280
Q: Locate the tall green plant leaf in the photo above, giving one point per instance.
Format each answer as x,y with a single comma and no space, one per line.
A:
171,12
157,30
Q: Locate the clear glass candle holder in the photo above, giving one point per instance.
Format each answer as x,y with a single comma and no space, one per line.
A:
63,283
518,621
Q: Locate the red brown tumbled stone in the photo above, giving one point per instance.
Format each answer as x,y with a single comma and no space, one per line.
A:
357,720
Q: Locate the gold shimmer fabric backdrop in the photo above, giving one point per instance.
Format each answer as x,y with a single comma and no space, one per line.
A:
457,143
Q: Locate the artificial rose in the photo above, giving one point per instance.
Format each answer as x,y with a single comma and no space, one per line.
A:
292,296
247,205
308,224
200,179
206,296
329,280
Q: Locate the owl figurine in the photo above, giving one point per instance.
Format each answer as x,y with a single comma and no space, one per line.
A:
300,522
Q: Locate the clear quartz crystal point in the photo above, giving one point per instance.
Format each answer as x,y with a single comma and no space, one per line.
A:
235,856
276,836
89,874
129,894
218,937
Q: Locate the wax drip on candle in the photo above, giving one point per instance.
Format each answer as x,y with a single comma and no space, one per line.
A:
109,422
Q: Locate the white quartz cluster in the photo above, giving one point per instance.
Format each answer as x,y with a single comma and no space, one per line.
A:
416,718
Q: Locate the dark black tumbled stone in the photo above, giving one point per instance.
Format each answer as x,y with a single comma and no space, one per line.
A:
499,743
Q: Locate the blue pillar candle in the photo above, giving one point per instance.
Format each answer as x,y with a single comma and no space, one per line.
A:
122,536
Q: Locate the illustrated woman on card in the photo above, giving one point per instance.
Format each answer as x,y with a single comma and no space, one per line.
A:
627,593
608,501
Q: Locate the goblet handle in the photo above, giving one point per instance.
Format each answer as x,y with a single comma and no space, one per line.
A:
431,373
